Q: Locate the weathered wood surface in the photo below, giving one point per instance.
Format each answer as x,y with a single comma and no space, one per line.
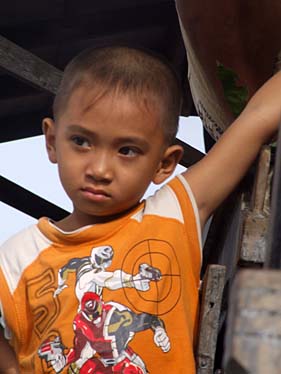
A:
232,47
237,235
273,253
222,245
213,286
28,67
239,227
253,341
256,214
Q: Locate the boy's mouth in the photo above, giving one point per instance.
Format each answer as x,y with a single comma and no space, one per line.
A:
95,194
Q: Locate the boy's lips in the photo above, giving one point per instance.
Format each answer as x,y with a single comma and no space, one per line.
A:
95,194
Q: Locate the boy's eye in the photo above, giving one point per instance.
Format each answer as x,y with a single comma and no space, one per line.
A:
80,141
129,151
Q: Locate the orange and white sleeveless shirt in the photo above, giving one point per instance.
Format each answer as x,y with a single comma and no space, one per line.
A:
119,297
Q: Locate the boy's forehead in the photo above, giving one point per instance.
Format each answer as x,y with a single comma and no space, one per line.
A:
86,98
140,110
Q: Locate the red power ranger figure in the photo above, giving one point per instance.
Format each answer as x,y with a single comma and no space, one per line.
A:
102,334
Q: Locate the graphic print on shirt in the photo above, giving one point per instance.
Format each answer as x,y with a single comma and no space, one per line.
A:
161,297
103,330
91,274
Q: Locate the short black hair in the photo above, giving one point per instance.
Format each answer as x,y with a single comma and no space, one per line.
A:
128,70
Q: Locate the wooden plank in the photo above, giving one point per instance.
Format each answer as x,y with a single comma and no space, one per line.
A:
253,339
253,242
222,247
24,65
27,202
273,253
190,156
213,287
256,214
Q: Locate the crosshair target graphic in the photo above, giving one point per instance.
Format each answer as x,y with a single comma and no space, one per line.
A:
163,294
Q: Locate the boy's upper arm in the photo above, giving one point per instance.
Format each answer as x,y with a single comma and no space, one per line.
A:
217,174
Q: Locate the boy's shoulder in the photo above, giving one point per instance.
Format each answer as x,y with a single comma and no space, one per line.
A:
173,200
21,236
18,252
23,233
22,244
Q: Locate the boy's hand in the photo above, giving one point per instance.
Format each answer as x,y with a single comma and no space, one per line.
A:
217,174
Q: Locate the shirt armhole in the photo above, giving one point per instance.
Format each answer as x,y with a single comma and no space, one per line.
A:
189,192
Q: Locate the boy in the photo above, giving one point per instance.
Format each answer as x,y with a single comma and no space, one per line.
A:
113,287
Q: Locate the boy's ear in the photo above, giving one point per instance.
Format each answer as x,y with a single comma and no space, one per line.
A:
167,165
48,127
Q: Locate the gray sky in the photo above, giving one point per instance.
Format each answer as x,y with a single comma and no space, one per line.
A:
25,162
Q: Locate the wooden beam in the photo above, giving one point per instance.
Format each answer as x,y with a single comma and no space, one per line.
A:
28,67
27,202
190,156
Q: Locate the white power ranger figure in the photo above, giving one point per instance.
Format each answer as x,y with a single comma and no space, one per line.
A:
91,274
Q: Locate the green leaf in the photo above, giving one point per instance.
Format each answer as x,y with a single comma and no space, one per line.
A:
235,95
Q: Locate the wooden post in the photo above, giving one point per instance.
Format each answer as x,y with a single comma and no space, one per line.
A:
212,292
273,258
253,341
245,244
256,215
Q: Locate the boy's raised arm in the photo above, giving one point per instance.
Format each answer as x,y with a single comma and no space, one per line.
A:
217,174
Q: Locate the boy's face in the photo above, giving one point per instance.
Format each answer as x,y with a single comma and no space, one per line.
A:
108,151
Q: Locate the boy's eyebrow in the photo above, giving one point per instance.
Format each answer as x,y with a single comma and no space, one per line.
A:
122,139
80,129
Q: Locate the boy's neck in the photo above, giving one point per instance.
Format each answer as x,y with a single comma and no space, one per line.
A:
75,221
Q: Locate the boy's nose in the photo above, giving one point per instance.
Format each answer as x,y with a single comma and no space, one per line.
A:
99,167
